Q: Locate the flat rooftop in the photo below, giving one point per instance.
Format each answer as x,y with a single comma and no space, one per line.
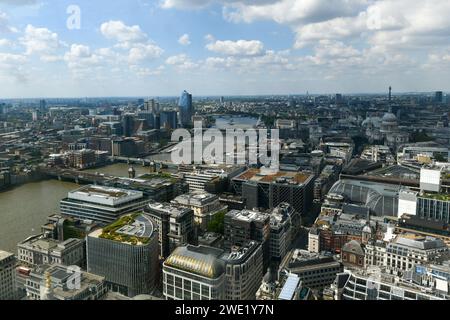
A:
257,176
195,197
173,210
104,195
248,215
5,254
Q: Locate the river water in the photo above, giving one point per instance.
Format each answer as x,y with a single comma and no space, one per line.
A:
25,208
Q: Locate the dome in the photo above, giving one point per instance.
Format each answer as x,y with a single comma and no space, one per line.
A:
196,260
389,117
354,247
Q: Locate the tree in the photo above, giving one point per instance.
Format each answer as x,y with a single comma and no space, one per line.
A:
217,224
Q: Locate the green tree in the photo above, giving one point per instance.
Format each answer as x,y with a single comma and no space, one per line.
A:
217,223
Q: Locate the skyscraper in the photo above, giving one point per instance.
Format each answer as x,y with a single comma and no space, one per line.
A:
186,109
438,97
128,125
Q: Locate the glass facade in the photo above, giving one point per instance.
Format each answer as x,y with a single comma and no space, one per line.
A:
186,109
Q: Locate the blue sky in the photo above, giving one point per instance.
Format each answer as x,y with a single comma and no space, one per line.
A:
222,47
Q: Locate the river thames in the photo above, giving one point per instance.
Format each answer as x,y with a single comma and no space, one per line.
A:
25,208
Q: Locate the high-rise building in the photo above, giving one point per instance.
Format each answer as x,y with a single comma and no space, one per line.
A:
169,119
268,191
243,271
126,254
282,230
438,97
7,276
207,273
128,125
175,225
244,226
102,204
194,273
42,105
186,109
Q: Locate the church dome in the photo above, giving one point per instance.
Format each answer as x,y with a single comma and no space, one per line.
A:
389,117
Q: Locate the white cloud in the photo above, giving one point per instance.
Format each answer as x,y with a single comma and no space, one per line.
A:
117,30
12,67
41,41
210,38
237,48
144,52
5,43
81,61
184,40
181,62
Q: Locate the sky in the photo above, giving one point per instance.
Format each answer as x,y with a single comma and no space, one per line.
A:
81,48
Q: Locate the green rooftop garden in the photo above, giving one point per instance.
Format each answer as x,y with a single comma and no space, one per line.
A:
160,175
437,196
110,232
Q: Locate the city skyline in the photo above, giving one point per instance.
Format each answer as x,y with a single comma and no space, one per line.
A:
153,48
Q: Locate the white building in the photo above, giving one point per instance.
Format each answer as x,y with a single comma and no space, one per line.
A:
37,250
102,204
205,206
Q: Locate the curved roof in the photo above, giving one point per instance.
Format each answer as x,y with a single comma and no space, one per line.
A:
381,199
389,117
196,260
354,247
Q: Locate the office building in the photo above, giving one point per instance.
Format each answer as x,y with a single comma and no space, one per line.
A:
199,180
175,225
438,97
186,109
7,276
240,227
194,273
374,284
205,206
282,231
126,254
268,191
37,250
58,282
243,271
169,119
101,204
406,251
315,270
128,125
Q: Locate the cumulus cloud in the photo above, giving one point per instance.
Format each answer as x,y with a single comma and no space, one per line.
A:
237,48
184,40
41,41
117,30
181,62
144,52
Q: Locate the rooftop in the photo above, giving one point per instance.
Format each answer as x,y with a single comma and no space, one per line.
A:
248,215
104,195
195,198
5,254
136,229
171,209
289,176
203,261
